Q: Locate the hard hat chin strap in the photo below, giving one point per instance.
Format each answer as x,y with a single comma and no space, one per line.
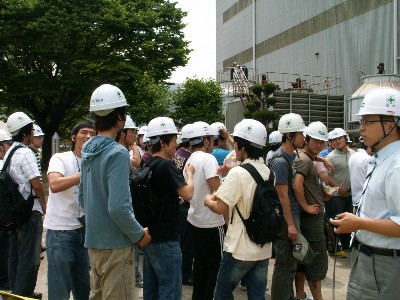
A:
385,135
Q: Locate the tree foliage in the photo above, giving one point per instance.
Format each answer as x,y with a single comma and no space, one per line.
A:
198,100
54,53
152,99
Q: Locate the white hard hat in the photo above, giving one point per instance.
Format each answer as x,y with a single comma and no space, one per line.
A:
4,136
216,127
105,99
381,101
338,132
16,121
143,130
185,131
146,140
129,124
275,137
161,126
291,123
252,131
37,131
317,130
197,131
329,135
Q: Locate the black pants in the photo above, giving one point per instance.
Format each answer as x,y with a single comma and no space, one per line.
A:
208,246
4,249
338,205
186,243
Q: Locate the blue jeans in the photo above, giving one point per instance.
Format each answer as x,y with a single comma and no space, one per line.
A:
232,270
68,264
162,277
24,259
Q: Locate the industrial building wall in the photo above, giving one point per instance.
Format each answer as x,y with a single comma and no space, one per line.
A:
334,38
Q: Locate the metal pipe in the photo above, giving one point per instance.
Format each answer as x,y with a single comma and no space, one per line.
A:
395,37
254,42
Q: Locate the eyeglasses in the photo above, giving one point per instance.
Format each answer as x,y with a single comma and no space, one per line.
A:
365,122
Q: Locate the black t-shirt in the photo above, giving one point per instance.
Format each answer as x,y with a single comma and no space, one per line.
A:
165,180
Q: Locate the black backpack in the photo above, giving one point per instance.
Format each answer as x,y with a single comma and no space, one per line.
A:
145,206
266,217
14,209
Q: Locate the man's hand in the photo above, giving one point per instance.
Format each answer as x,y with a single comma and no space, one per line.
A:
189,169
146,238
292,232
345,223
312,209
343,191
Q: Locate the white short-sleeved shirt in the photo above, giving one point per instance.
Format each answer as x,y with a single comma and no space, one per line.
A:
206,166
23,168
381,199
238,189
358,164
63,207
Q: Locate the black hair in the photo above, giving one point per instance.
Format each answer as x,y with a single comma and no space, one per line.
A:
201,144
166,139
185,144
27,130
275,146
77,127
252,152
109,121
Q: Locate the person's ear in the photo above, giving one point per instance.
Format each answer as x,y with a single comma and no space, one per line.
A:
73,137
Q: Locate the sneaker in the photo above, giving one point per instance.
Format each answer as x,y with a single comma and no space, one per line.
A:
305,298
340,253
243,287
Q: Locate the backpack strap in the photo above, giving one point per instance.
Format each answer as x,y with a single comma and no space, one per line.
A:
9,157
257,178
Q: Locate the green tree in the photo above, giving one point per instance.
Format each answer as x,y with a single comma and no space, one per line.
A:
152,99
54,53
260,107
198,100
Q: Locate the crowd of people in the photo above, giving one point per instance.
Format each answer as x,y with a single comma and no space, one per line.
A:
197,188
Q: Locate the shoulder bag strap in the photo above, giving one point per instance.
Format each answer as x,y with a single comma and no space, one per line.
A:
9,157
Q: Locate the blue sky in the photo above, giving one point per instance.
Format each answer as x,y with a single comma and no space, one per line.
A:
200,31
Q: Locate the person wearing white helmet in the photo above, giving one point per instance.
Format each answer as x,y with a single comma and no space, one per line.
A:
291,126
221,137
162,258
142,131
25,245
68,259
36,145
206,226
127,138
275,141
342,200
104,193
5,144
308,194
185,233
241,256
148,153
376,244
324,153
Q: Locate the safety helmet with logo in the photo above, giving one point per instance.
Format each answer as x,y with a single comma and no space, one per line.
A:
4,136
275,137
185,131
338,132
143,130
252,131
16,121
291,123
381,101
37,131
160,126
317,130
105,99
129,124
197,131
